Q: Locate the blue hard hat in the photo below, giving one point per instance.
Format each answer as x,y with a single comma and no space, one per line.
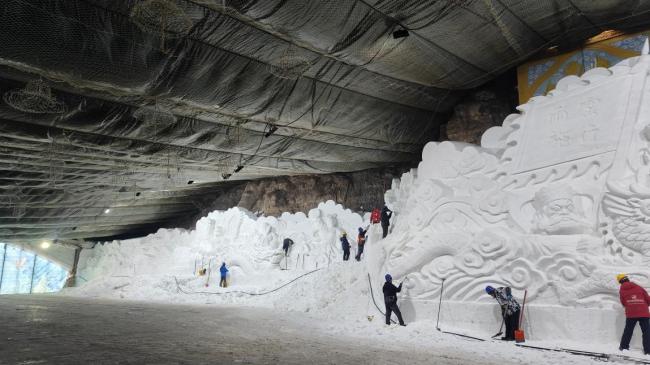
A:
388,277
489,289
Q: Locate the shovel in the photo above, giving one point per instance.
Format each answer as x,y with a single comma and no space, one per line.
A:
503,319
519,333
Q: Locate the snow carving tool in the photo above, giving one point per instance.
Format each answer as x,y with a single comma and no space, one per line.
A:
503,319
519,333
209,271
442,290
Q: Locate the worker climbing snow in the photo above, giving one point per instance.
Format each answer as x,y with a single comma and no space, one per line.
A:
386,214
509,309
345,245
635,299
224,273
286,244
390,299
361,241
375,216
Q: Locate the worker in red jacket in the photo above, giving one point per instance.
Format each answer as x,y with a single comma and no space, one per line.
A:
635,300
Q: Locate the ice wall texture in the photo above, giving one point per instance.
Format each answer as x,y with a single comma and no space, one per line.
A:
555,201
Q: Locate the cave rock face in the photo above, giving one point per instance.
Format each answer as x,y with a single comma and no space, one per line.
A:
360,191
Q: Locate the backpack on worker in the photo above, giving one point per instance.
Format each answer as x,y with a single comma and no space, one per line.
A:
375,216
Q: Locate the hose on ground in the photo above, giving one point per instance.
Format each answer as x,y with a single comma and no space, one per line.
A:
180,289
372,295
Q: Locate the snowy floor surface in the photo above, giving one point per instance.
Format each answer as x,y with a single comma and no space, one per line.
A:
326,303
64,330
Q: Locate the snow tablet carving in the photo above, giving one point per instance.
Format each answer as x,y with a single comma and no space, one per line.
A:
556,201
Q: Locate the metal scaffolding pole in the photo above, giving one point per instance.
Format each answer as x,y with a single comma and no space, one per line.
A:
31,282
4,257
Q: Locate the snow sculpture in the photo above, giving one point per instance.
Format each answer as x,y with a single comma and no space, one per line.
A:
555,201
251,246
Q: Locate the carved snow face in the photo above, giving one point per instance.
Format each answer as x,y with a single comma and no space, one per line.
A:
558,210
560,216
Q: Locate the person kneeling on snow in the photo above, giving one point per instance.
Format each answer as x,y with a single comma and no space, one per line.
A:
509,309
224,272
345,245
361,241
635,299
390,299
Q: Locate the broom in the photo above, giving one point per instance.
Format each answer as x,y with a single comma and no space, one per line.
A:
519,333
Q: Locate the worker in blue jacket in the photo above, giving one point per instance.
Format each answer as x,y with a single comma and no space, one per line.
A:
345,245
224,274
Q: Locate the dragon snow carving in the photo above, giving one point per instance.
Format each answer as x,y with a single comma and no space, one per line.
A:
555,201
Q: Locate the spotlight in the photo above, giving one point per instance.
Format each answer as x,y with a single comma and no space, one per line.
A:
107,210
272,130
45,245
400,33
226,176
190,182
137,194
239,168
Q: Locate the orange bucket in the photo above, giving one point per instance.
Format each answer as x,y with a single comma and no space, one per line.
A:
519,336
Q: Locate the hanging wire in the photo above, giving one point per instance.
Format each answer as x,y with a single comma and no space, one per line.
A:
155,119
289,65
55,166
162,18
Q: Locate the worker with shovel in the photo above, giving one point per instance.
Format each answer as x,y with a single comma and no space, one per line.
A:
510,309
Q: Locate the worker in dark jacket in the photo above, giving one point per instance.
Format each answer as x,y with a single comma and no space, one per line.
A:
286,244
386,214
390,299
345,245
510,309
635,299
361,241
224,273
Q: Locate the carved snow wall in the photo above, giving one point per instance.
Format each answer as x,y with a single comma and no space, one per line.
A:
555,201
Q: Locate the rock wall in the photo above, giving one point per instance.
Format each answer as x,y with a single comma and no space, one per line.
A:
359,191
481,109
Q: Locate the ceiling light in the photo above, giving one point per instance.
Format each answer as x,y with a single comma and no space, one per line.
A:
400,33
107,210
45,245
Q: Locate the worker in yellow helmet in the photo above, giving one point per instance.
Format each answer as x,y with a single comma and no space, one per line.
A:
635,299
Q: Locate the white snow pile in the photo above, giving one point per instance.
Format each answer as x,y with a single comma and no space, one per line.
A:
164,266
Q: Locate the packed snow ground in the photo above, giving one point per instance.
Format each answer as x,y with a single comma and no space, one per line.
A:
163,268
40,329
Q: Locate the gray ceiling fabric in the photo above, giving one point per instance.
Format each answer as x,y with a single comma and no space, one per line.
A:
121,104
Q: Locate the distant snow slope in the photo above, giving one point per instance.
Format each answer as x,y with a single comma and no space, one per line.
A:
153,267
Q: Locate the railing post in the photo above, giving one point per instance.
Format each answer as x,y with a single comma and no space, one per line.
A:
4,257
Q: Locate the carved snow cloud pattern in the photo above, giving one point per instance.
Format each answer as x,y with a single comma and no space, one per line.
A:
523,209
